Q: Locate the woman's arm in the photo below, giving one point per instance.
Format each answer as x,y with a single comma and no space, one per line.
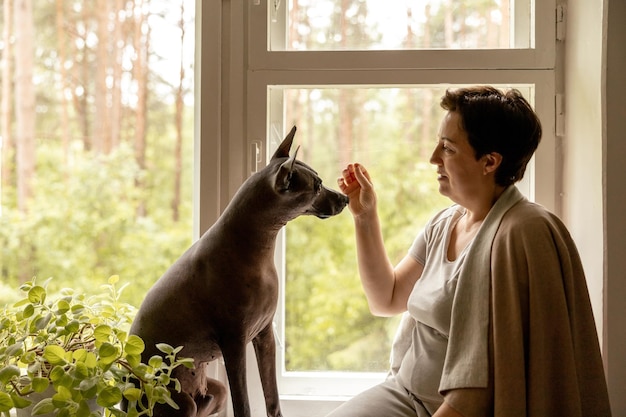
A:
386,287
446,411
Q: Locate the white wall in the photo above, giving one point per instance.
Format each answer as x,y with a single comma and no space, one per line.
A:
594,151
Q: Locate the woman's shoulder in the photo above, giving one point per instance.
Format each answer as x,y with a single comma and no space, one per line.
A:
527,218
445,215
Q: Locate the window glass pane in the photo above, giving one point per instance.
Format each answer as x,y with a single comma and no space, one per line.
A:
409,24
392,131
97,139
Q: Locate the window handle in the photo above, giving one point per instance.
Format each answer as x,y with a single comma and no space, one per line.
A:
255,156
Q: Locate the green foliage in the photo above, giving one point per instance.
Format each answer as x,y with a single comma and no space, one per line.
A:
77,349
83,224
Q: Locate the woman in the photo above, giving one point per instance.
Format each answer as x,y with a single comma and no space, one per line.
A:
497,318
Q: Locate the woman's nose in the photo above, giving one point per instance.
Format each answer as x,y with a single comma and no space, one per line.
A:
434,157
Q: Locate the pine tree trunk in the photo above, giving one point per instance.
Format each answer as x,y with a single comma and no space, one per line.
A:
5,103
116,90
24,102
102,128
140,73
61,45
178,163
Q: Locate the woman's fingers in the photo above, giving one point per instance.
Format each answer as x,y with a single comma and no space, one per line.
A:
361,175
347,182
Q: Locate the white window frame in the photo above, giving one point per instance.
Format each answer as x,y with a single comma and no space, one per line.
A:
234,71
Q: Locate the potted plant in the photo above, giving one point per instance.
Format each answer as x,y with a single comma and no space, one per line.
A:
77,350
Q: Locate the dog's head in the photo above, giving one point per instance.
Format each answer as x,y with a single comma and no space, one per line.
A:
299,183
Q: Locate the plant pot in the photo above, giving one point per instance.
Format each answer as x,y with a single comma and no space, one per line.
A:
35,397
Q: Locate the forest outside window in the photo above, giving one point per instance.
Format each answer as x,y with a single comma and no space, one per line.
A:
96,138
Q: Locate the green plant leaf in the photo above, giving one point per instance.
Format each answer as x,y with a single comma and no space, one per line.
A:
109,397
168,400
186,362
28,311
177,386
73,326
133,360
91,360
15,349
122,335
63,307
64,412
9,372
57,373
134,345
102,333
34,367
165,348
6,403
22,302
37,294
20,402
81,370
132,412
28,357
87,384
108,353
54,354
79,355
44,406
164,397
62,396
40,384
83,409
155,361
77,309
42,322
164,379
132,394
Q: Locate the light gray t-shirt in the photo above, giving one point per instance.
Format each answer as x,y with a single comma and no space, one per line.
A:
430,306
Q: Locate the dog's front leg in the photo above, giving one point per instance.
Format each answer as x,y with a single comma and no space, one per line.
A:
265,350
234,353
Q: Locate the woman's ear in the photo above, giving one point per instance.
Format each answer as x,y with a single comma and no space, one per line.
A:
492,162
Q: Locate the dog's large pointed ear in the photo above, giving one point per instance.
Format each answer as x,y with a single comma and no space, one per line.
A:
283,176
285,145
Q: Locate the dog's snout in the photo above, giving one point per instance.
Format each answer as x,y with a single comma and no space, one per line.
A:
328,203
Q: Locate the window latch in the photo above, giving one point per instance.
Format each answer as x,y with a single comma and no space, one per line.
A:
255,156
275,10
560,22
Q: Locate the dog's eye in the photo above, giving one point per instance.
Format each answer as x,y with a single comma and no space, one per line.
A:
317,185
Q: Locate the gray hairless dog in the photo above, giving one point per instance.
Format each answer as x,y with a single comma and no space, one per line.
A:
222,292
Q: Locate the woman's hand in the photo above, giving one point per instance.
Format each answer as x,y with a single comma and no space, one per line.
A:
356,183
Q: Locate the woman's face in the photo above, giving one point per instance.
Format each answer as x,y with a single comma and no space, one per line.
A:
460,174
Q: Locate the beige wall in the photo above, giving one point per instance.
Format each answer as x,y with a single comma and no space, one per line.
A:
614,168
582,143
594,151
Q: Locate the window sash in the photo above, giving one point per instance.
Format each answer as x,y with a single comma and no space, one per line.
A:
539,54
329,384
233,114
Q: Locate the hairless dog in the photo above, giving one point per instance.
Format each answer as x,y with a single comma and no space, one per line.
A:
222,292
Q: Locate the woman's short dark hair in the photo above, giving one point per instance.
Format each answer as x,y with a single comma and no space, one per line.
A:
497,121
